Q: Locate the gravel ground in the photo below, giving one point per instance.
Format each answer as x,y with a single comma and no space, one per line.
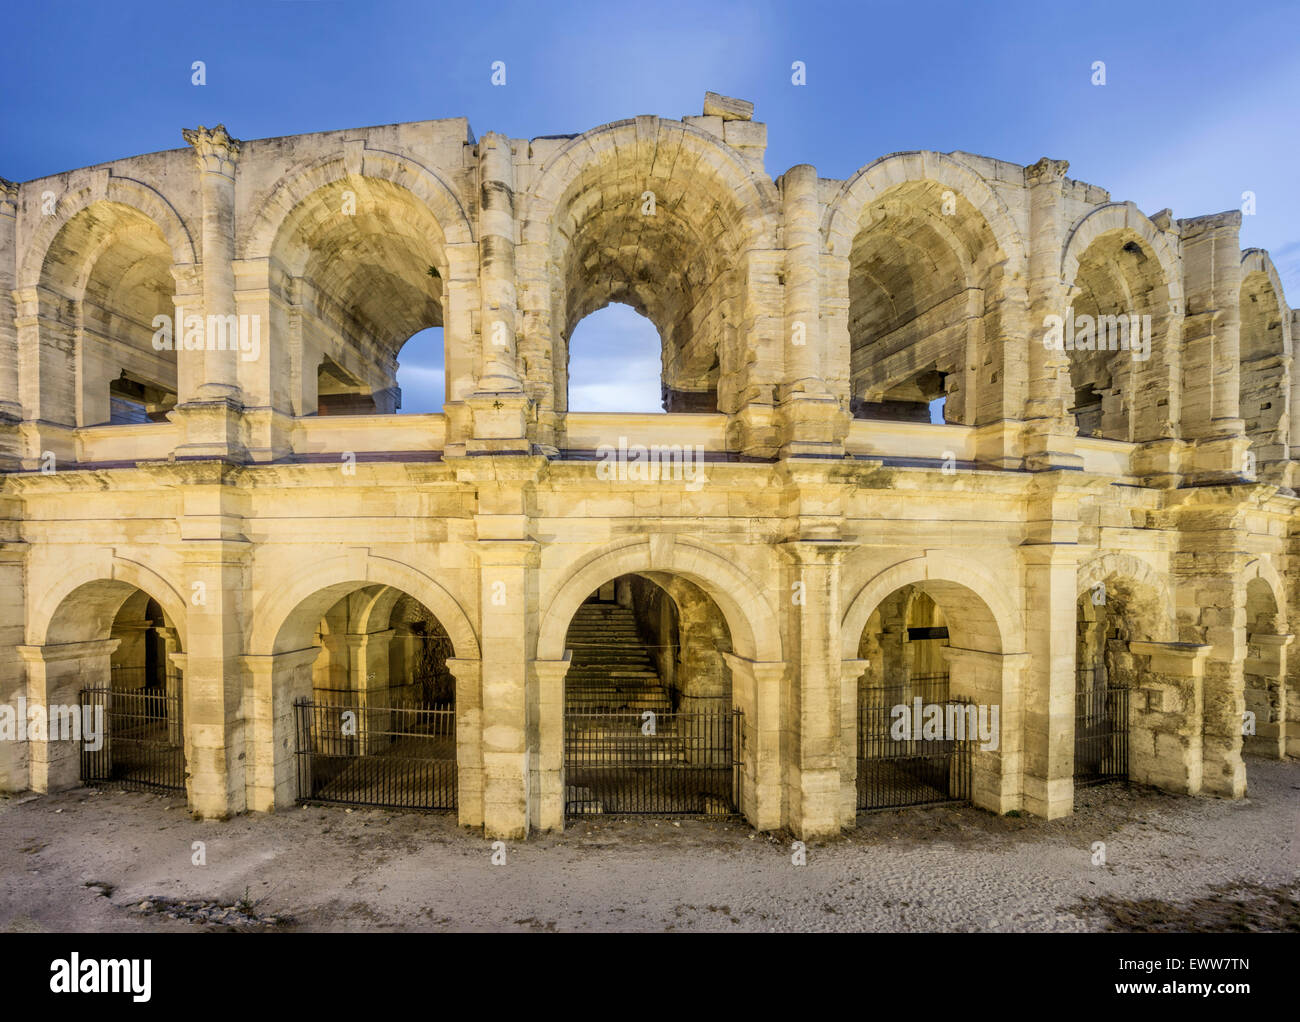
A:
122,861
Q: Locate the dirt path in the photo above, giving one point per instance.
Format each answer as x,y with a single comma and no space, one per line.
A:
87,860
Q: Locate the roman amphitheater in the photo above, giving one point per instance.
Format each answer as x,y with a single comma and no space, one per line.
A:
274,589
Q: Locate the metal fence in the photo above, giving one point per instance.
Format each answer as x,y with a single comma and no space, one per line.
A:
1101,722
143,744
660,764
394,756
901,770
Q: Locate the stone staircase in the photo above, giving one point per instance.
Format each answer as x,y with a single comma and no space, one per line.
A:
612,670
612,674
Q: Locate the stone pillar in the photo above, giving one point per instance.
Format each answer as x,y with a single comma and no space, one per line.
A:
1210,567
217,154
506,568
215,571
499,405
276,682
1265,694
812,421
56,674
46,376
993,681
1211,368
851,672
814,699
1049,431
11,409
210,412
757,693
369,678
1165,716
1049,603
469,740
547,737
173,678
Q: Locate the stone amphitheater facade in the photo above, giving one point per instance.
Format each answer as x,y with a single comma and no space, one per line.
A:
1075,504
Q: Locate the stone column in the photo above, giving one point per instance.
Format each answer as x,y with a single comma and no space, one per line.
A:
217,155
851,672
1211,367
215,573
1049,431
814,699
1165,716
46,377
757,693
11,409
276,682
369,678
547,737
499,405
469,740
1210,567
1265,694
173,677
1049,603
210,411
812,422
56,674
506,567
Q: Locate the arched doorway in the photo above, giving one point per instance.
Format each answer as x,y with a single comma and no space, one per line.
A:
649,724
110,664
374,701
1265,672
907,755
1116,615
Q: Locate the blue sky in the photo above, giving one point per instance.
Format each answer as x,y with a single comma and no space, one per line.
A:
1202,100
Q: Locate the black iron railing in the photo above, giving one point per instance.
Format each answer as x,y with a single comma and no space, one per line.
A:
141,744
648,763
898,766
1101,723
394,756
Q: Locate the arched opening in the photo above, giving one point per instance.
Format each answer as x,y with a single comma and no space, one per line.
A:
365,674
1264,401
108,290
916,729
1111,335
421,373
658,221
1265,673
614,363
649,726
360,264
111,655
921,296
1116,617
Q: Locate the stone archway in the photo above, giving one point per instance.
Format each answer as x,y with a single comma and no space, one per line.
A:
947,604
360,597
755,667
107,662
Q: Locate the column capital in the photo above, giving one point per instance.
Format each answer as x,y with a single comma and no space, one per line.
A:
1046,171
216,150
